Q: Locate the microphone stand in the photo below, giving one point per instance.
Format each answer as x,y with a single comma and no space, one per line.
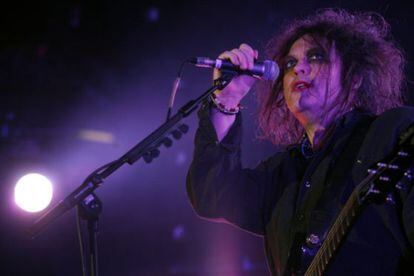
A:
83,196
90,209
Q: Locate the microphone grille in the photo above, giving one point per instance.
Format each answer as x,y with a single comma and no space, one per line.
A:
271,70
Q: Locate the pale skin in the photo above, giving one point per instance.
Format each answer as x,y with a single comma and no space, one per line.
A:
311,83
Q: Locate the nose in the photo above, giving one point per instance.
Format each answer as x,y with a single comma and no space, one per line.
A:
302,68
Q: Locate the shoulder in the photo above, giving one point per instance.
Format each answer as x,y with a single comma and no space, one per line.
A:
384,131
390,124
398,115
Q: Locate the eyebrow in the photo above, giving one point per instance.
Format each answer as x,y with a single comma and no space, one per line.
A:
310,50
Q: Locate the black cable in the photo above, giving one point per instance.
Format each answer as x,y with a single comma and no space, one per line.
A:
174,90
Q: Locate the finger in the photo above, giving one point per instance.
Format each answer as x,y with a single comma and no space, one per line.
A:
249,53
226,55
242,58
234,58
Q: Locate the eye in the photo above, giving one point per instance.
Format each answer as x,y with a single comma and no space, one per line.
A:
316,56
290,63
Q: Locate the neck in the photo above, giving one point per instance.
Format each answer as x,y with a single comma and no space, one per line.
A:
315,133
316,128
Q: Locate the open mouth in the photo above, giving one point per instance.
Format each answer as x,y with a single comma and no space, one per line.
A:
301,85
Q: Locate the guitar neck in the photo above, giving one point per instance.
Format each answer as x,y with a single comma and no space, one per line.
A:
336,235
380,182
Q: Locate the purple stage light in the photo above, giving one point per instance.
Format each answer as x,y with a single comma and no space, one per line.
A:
180,158
247,264
97,136
153,14
178,232
33,192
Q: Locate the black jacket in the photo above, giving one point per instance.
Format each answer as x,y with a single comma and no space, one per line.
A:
274,199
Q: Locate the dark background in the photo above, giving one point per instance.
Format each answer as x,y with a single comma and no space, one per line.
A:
68,66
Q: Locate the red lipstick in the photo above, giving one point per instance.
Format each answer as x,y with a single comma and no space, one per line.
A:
299,86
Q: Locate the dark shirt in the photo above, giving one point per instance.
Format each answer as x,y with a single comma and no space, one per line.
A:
273,199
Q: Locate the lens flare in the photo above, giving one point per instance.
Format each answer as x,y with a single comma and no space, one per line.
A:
33,192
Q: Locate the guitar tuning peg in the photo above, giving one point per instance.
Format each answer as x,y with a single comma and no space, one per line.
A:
402,154
393,167
381,165
372,171
408,175
400,186
390,199
384,178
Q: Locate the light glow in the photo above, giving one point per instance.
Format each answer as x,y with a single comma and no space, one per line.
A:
97,136
33,192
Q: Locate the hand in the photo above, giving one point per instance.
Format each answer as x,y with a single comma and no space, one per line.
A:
244,57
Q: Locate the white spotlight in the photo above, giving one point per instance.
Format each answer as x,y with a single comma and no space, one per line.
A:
33,192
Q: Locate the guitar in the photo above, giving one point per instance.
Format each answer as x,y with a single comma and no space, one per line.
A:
382,180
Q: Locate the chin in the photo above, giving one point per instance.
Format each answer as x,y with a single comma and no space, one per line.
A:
303,105
306,104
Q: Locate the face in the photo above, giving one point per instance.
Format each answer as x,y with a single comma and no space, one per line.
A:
312,79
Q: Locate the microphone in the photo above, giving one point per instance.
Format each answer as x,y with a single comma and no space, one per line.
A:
266,70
